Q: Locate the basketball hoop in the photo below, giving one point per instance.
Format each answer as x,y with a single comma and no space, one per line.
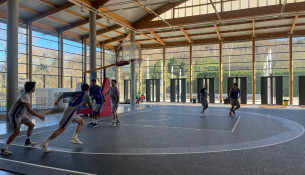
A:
122,63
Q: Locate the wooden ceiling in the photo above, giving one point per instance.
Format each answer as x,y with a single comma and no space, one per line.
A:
260,22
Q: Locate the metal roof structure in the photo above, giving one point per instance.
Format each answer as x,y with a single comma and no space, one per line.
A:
115,18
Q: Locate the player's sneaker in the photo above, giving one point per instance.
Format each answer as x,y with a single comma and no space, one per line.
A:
75,140
117,121
6,151
28,142
44,146
230,114
234,112
90,124
94,125
113,124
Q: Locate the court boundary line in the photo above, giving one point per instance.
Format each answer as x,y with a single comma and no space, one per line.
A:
46,167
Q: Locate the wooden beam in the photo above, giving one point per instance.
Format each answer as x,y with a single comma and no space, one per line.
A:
231,31
143,7
253,72
233,24
77,24
217,30
52,11
42,26
48,3
253,28
75,14
99,32
115,39
242,14
164,75
150,38
220,71
85,2
159,11
28,9
293,24
186,34
157,37
99,3
106,36
290,70
109,46
191,72
115,18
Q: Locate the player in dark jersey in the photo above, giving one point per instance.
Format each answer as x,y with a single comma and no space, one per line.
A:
234,96
204,99
96,95
70,115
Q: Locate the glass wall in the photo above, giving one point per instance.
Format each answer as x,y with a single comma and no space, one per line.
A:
45,60
272,58
206,65
298,65
177,66
110,57
73,63
237,62
152,67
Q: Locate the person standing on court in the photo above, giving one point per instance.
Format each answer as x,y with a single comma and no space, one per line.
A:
115,99
234,95
70,115
17,116
204,93
96,94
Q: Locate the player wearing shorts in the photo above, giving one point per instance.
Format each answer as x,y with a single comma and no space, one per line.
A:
96,95
17,116
70,115
234,96
204,99
115,99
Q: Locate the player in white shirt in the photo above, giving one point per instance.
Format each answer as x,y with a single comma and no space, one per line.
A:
18,116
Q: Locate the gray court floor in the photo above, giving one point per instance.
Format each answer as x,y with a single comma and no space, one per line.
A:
170,139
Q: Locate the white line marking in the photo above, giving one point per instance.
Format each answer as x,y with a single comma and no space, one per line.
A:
47,167
235,124
172,127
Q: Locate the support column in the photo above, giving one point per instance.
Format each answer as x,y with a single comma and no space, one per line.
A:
133,76
220,72
191,72
29,50
119,69
164,75
253,71
290,71
30,47
85,59
12,53
104,60
92,36
61,60
140,70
